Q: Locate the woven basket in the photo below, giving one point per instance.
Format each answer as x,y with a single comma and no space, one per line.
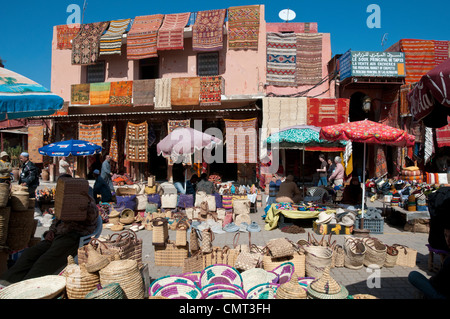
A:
95,261
20,229
79,281
280,247
169,201
110,291
5,192
263,291
45,287
71,199
375,252
291,290
170,255
406,256
220,274
355,251
391,257
160,231
108,251
166,280
363,296
297,259
317,258
193,263
181,233
19,201
326,287
338,259
4,221
126,273
126,216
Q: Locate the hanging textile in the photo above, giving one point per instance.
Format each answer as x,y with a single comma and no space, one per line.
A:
327,111
137,142
443,135
162,93
207,32
404,104
241,140
243,27
80,94
380,160
174,124
111,41
65,34
90,133
142,37
86,45
309,58
171,32
211,90
121,93
429,145
441,51
99,93
114,147
389,108
185,91
144,92
35,141
281,59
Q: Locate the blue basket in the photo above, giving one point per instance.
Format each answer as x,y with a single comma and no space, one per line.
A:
375,226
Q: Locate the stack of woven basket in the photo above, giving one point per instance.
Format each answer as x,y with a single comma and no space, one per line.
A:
126,273
79,281
326,287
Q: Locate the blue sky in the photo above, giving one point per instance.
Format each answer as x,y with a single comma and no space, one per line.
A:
26,26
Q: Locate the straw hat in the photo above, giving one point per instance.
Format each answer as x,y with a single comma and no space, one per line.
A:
256,276
324,218
346,220
326,287
3,154
46,287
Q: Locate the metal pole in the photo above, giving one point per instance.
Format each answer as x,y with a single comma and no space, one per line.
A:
363,188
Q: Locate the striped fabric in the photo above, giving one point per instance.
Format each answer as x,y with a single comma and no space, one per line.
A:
243,27
111,41
443,135
242,140
441,51
281,59
419,58
142,37
309,58
171,33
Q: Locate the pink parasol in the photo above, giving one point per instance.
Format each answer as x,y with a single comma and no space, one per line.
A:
184,142
367,132
432,92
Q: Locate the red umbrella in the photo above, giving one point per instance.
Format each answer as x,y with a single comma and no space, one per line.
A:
367,132
432,94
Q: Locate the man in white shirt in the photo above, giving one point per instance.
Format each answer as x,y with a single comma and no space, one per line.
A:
64,166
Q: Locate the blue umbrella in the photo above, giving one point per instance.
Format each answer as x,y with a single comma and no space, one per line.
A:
70,147
21,97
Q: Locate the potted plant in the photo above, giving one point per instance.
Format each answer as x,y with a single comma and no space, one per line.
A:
14,153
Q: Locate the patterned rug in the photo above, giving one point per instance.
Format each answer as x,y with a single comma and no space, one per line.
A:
86,45
111,41
121,93
309,58
171,33
136,142
211,89
404,104
144,92
389,108
80,94
90,133
99,93
185,91
114,147
380,160
64,34
35,141
241,140
419,58
162,94
281,59
142,37
443,135
207,32
441,51
243,27
324,112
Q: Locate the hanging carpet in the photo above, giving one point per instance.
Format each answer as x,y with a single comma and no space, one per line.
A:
80,94
142,37
309,58
99,93
90,133
137,142
443,135
281,59
207,32
162,94
324,112
185,91
211,88
171,33
35,141
86,45
114,147
241,140
174,124
243,27
65,34
111,41
121,93
144,92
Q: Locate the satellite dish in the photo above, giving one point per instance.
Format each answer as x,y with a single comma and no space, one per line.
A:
287,15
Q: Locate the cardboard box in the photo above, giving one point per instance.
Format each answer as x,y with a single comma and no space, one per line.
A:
335,229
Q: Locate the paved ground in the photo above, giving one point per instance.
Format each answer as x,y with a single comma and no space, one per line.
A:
392,283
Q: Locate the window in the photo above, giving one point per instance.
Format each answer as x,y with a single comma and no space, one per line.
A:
149,68
96,72
208,64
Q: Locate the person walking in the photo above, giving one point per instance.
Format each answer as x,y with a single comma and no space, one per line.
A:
101,188
331,168
338,175
322,171
30,174
106,173
64,167
5,168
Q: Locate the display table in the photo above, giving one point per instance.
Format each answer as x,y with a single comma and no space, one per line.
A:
273,215
411,215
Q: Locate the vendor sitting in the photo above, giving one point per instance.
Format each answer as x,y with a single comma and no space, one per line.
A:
204,185
101,188
289,192
352,194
